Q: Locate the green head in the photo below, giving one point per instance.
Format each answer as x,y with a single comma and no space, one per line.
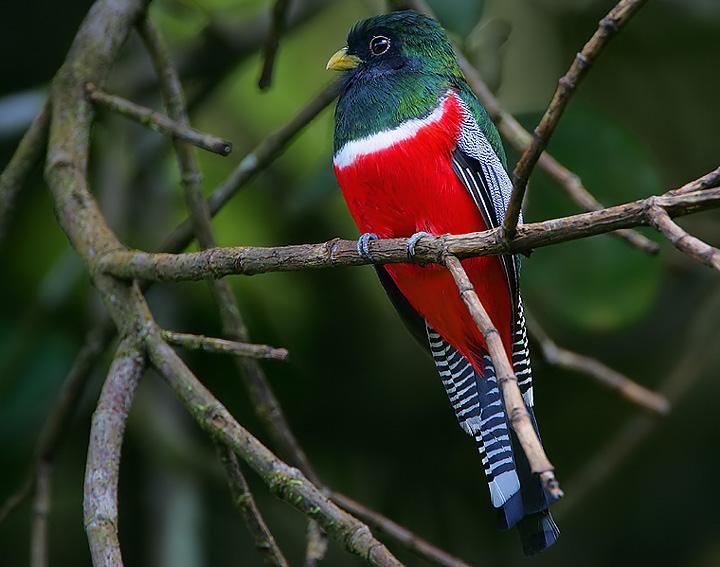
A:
397,43
396,66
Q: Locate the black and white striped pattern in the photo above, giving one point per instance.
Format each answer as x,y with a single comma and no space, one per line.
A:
483,175
474,178
475,144
480,410
521,356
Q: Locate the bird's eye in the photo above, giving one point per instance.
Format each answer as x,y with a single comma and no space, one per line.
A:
379,45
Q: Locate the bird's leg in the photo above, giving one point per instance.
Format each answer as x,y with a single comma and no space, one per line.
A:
362,245
412,242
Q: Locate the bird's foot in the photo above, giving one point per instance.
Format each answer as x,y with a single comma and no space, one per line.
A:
362,245
412,242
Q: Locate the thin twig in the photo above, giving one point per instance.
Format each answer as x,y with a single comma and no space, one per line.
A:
219,262
158,121
223,346
702,330
27,154
603,374
244,501
221,48
609,26
572,184
264,402
517,413
286,482
413,542
317,545
680,239
707,181
41,511
103,461
279,17
94,48
520,139
263,398
56,424
253,163
21,494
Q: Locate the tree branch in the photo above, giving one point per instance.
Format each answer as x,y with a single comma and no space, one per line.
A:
257,160
243,499
56,424
680,239
26,155
158,121
411,541
190,173
702,330
264,401
286,482
41,511
515,409
707,181
627,388
103,461
223,346
609,26
279,15
220,262
520,139
317,545
93,50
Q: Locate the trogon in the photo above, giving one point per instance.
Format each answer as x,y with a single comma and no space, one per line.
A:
416,154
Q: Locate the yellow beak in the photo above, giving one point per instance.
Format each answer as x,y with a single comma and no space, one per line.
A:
341,61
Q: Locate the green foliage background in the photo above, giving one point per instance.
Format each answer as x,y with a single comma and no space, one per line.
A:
361,396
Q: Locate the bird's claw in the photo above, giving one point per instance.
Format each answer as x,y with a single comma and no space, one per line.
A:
362,245
412,242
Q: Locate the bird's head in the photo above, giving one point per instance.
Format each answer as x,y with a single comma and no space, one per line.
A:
397,43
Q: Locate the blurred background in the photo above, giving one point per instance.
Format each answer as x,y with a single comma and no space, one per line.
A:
362,397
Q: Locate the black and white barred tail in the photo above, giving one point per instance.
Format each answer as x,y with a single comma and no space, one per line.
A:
478,405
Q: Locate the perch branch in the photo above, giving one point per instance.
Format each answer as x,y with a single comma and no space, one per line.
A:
277,28
257,160
680,239
26,155
223,346
609,26
612,379
411,541
158,121
286,482
520,139
219,262
515,409
103,461
243,499
264,401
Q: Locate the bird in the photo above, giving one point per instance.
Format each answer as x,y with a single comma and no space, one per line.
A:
417,155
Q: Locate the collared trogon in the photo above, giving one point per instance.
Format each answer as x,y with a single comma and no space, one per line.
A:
416,154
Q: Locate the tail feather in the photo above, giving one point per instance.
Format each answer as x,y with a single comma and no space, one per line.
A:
515,491
537,531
